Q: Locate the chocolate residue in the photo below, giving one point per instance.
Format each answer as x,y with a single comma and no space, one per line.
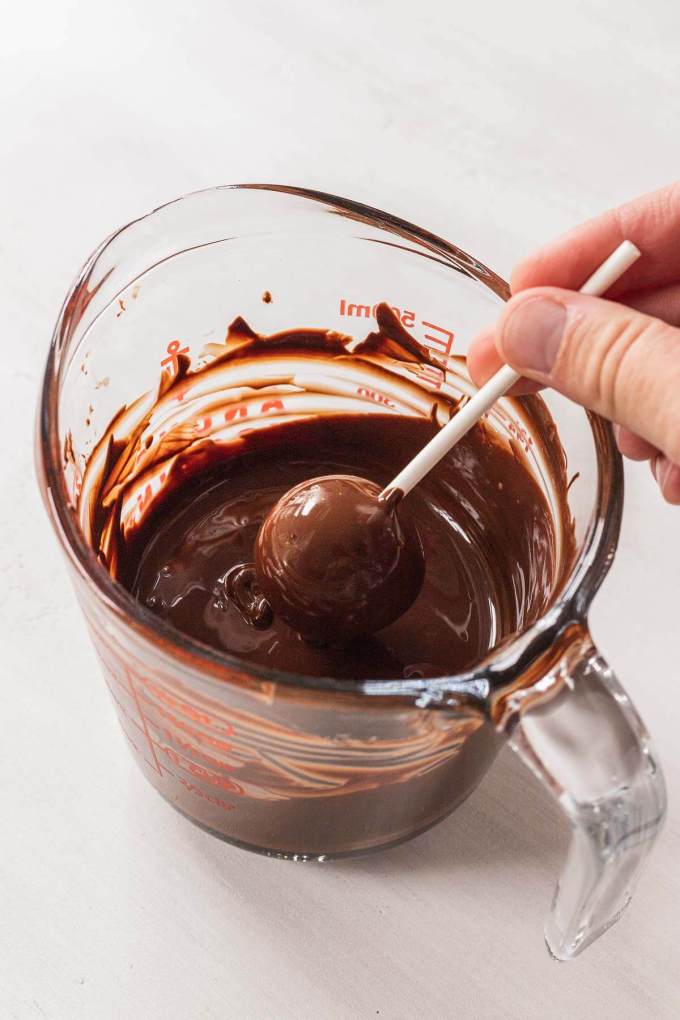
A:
175,492
69,455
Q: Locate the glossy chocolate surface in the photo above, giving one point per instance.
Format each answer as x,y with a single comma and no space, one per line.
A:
183,481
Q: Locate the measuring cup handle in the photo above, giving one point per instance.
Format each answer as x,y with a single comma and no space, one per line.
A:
579,733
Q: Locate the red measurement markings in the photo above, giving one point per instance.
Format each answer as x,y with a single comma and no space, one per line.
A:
406,317
442,344
204,425
131,742
439,340
199,772
271,405
122,710
521,435
175,350
181,724
140,722
144,498
142,718
375,396
238,411
191,749
180,391
204,796
182,761
137,719
189,787
198,716
429,374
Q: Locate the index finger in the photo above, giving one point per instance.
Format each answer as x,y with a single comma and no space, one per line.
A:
651,222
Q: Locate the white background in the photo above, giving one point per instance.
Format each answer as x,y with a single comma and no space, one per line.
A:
496,125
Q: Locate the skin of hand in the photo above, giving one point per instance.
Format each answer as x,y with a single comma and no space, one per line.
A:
618,356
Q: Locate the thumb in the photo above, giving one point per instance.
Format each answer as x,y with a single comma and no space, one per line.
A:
605,356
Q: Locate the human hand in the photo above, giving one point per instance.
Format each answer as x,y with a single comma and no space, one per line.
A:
618,356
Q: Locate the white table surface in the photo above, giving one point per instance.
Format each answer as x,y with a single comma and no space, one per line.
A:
497,125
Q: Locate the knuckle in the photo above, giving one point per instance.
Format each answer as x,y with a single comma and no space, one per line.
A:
616,370
603,355
658,208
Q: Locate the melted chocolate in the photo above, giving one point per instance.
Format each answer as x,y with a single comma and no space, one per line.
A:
176,492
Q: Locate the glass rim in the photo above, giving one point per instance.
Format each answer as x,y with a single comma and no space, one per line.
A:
495,670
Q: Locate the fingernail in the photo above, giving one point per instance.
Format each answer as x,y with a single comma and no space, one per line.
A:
532,334
662,470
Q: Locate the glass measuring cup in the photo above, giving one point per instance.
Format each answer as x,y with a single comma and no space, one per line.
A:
312,768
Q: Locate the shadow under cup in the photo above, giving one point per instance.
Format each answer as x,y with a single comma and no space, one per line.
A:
313,767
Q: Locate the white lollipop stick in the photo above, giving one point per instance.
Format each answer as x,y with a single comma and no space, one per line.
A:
601,280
